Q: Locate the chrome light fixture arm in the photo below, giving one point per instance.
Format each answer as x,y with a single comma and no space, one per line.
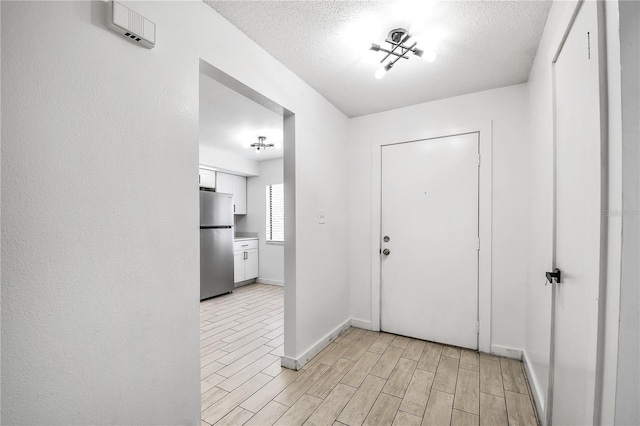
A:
397,39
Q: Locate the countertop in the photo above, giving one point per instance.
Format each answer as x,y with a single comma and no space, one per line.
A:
244,238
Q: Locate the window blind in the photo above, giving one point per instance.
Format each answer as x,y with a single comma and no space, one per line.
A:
275,212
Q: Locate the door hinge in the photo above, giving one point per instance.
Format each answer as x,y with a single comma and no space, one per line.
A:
478,243
588,45
478,327
478,159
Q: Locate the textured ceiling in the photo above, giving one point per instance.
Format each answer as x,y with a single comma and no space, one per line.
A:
480,45
232,122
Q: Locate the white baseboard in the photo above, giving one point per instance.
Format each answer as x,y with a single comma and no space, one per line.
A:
535,390
269,281
297,363
243,283
506,352
361,323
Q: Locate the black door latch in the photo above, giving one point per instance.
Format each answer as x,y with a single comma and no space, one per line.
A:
556,274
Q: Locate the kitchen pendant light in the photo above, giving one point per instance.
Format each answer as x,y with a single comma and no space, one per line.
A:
261,145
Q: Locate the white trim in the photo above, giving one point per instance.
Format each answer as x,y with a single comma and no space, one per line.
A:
298,363
289,363
361,323
506,352
535,389
485,130
268,281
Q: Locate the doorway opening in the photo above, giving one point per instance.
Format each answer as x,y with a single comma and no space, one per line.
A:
246,146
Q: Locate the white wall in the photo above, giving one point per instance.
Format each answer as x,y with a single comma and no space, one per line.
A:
271,255
99,200
507,107
226,161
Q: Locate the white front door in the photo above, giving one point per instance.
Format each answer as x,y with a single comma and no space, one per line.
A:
429,278
579,212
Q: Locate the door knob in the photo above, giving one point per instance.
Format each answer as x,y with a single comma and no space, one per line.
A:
556,274
386,252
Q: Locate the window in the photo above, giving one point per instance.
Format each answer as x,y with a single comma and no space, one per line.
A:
275,212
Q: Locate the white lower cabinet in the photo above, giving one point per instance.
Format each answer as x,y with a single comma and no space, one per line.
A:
251,264
238,266
245,260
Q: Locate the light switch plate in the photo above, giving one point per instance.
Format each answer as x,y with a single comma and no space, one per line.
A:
321,217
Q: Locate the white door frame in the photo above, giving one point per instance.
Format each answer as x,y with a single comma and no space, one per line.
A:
485,137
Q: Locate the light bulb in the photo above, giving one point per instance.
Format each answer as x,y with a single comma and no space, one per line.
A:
429,56
380,72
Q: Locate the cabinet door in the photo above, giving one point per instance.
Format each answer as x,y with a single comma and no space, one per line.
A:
224,183
251,269
207,178
238,266
240,194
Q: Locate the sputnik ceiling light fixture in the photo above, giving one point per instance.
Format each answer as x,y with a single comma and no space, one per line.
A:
397,39
261,145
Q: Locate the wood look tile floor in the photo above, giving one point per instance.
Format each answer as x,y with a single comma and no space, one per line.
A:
361,378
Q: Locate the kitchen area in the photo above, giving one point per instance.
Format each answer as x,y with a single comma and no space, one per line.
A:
241,191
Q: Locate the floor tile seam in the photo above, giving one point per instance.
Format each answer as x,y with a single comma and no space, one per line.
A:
209,337
240,402
469,369
248,343
257,315
423,411
262,307
248,366
222,325
246,335
411,378
448,393
454,395
226,311
281,319
251,325
205,347
323,399
215,387
395,396
468,412
374,403
424,369
515,391
215,360
227,321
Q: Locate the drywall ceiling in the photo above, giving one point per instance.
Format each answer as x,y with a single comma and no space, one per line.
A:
480,45
231,122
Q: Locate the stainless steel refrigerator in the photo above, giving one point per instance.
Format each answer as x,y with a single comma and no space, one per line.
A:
216,243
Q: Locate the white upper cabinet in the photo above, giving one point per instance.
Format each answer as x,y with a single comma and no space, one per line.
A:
224,183
207,179
236,185
240,194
